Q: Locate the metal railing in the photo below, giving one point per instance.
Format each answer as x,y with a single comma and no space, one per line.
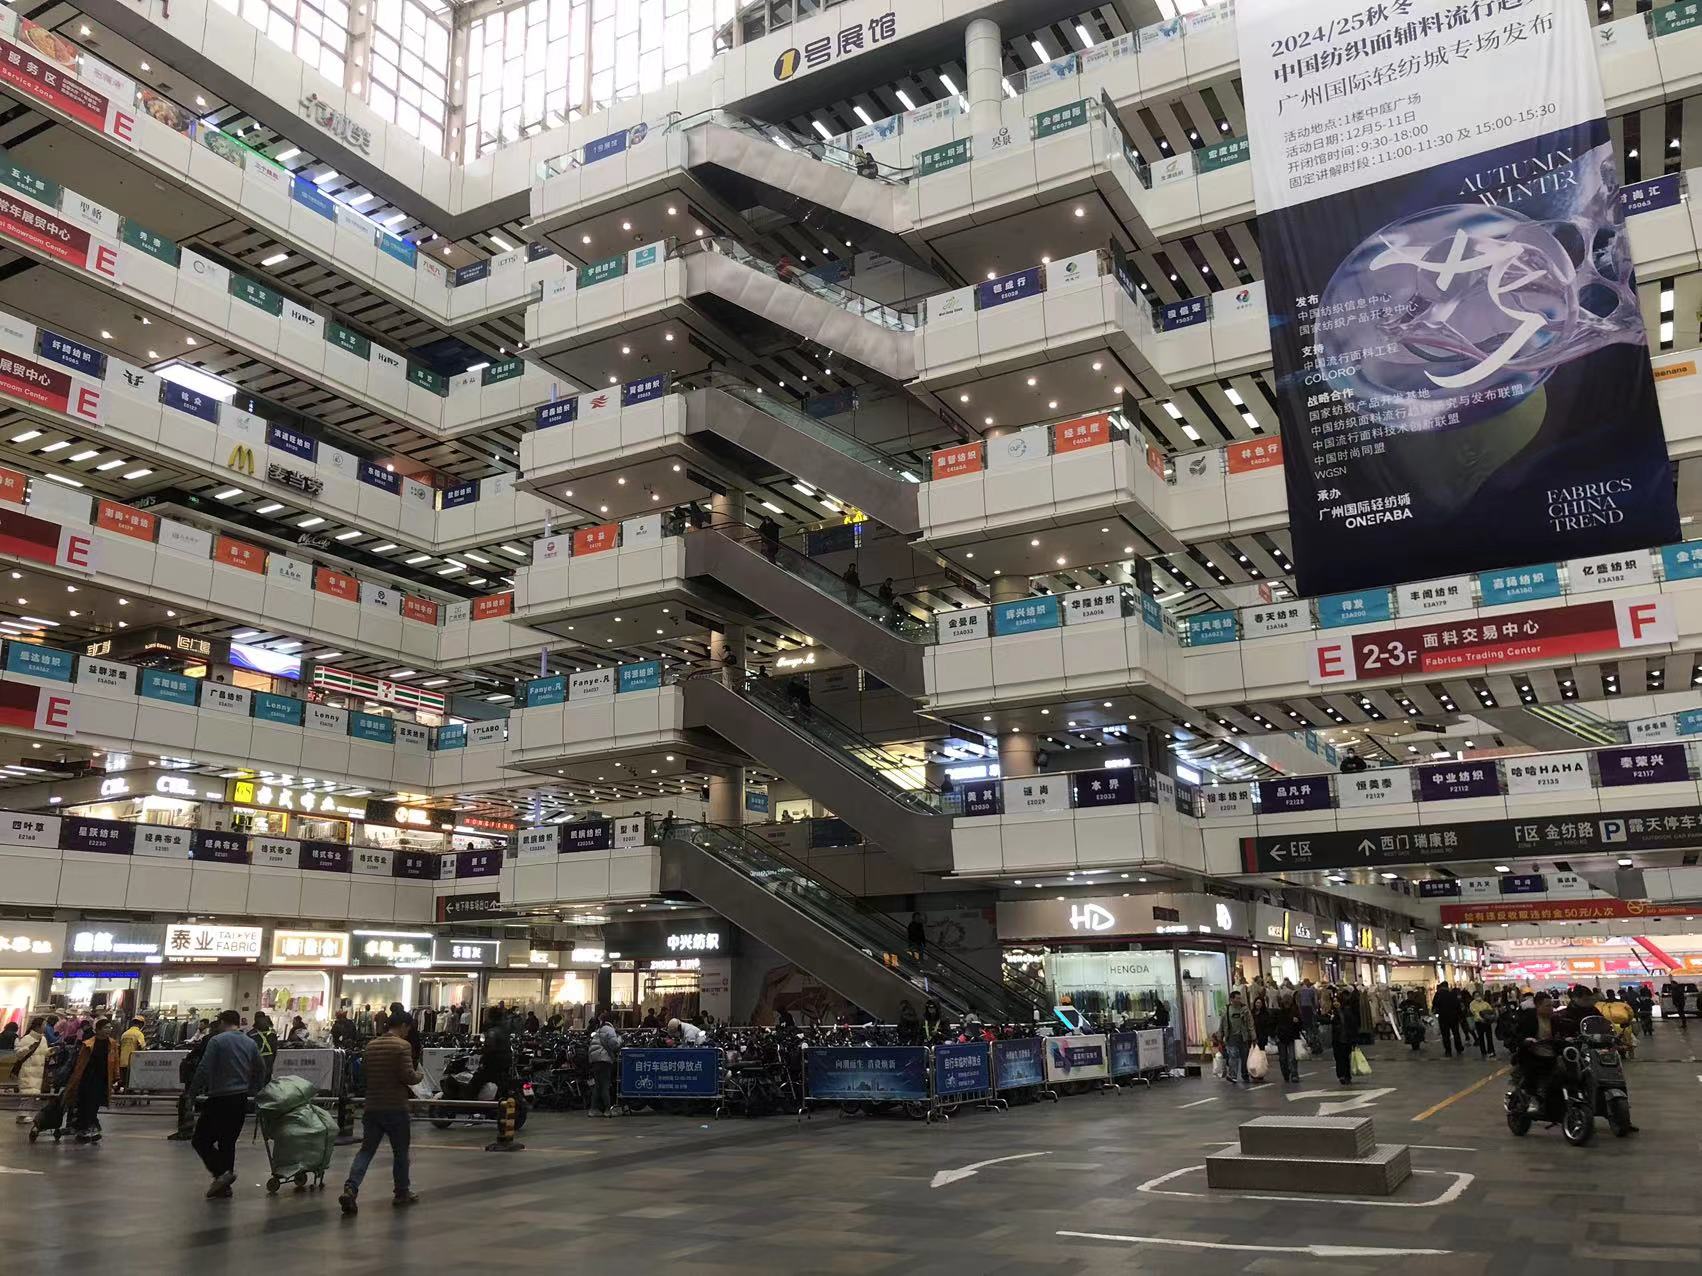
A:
804,423
890,614
876,312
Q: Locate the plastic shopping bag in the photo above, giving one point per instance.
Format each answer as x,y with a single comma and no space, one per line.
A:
1217,1065
1257,1064
1361,1065
1301,1049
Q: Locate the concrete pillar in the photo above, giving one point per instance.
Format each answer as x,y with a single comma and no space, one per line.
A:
727,796
1007,589
982,57
726,507
1016,754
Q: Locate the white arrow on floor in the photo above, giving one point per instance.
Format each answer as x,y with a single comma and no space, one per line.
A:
6,1169
945,1177
1352,1100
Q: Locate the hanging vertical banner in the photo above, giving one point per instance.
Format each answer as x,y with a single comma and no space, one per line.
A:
1462,370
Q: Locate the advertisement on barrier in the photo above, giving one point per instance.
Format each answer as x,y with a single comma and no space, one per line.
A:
965,1068
1125,1054
1018,1063
855,1074
1460,386
1076,1058
670,1074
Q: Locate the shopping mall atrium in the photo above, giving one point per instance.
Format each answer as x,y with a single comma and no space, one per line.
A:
1024,634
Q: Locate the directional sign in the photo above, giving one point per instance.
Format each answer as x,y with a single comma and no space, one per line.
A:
1644,829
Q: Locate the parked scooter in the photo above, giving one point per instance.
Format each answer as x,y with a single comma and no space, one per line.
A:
1586,1081
1412,1025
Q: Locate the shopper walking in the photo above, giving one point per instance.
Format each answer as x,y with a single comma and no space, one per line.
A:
1237,1037
1675,990
1446,1006
1344,1033
604,1048
130,1044
1306,1000
1483,1024
231,1070
1286,1029
387,1063
93,1078
29,1065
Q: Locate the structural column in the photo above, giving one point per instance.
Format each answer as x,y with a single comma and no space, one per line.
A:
1016,754
982,55
727,796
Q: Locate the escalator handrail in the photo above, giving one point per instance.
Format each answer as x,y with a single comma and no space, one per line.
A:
896,938
858,451
833,586
816,148
879,313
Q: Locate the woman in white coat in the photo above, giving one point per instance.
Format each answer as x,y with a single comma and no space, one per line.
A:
30,1059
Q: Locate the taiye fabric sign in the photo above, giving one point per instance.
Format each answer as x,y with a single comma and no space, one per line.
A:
1462,370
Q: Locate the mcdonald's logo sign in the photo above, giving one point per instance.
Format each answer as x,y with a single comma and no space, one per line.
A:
242,459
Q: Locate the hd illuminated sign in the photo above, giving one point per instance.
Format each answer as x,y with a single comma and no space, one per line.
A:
310,948
1091,917
275,795
391,948
195,941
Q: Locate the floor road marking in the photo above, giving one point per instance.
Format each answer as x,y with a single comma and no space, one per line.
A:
1462,1181
6,1169
1312,1251
1198,1102
945,1177
1454,1098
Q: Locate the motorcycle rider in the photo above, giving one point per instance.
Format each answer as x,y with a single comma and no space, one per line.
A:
1535,1069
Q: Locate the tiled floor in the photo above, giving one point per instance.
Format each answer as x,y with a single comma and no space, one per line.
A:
855,1195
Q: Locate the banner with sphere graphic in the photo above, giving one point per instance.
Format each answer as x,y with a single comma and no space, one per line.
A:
1460,361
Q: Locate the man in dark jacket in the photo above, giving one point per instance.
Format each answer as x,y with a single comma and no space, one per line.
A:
496,1061
1345,1033
388,1067
1449,1015
231,1072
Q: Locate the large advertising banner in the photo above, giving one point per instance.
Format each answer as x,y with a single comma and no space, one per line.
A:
1019,1063
1076,1058
1462,370
670,1074
855,1074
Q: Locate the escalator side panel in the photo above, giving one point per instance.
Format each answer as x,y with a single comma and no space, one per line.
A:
890,502
744,571
921,841
862,979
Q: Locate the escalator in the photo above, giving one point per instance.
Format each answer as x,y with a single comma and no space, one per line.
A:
733,286
1552,728
815,184
731,416
857,951
878,793
884,638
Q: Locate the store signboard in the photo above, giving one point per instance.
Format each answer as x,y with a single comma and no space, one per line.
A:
204,941
408,950
31,945
1113,915
1076,1058
1548,773
1643,764
452,950
866,1073
109,941
156,841
1114,786
1449,780
310,947
1226,801
1036,793
1301,793
538,843
1385,786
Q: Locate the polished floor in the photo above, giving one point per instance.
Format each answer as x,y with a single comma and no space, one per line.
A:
1098,1182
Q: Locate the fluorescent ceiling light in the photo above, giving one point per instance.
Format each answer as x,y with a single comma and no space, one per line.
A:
904,98
227,494
403,673
104,466
361,201
452,569
480,367
502,243
136,474
201,382
379,549
328,655
417,559
1009,91
244,635
60,478
313,520
501,695
1083,36
270,507
772,508
861,113
26,436
284,157
1039,50
477,558
83,455
328,175
434,682
822,129
393,219
275,259
506,548
285,646
346,536
57,447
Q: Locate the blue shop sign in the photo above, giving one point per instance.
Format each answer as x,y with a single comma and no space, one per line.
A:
452,735
157,684
1649,196
964,1068
1152,612
1523,884
831,540
646,675
40,662
183,399
1300,793
644,389
372,726
1687,722
537,252
1446,888
849,1074
1026,615
1519,585
546,691
756,802
274,708
670,1074
71,354
1209,628
416,866
1125,1054
461,494
1358,608
1113,786
471,273
603,147
1182,314
1682,561
478,863
309,195
1017,287
292,441
561,412
378,476
402,250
